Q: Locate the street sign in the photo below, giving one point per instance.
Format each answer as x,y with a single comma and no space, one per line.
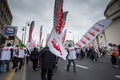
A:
10,30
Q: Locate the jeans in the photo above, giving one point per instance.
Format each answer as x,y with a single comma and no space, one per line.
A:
3,62
21,60
69,63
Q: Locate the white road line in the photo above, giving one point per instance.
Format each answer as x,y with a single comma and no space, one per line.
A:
104,60
84,67
117,76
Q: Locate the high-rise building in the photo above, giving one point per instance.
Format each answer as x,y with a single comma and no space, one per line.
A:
5,19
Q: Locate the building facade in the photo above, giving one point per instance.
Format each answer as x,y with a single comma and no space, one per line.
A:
5,19
112,32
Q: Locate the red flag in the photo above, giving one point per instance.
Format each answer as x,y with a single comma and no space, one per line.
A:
41,33
31,30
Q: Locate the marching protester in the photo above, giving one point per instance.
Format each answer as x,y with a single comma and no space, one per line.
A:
28,52
34,56
71,58
15,56
114,55
78,53
47,63
119,54
82,53
20,52
6,56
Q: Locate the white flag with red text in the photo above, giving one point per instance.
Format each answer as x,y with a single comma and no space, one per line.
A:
96,29
64,36
55,45
55,38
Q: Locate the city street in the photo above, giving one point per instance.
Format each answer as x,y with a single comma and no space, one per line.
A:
46,29
86,70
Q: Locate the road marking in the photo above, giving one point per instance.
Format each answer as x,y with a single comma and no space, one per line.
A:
10,76
104,60
117,76
84,67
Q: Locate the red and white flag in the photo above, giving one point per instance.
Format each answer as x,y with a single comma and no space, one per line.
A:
64,36
31,31
58,15
41,33
55,39
64,19
30,43
96,29
40,38
55,45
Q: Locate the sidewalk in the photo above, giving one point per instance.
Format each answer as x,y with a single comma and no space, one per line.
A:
12,75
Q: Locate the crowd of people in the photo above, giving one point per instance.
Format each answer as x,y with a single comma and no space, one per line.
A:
94,53
19,55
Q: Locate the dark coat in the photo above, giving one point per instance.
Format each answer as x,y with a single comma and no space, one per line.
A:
48,59
34,54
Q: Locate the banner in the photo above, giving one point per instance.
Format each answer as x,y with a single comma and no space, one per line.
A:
40,38
64,20
31,30
91,34
31,44
55,45
55,38
58,15
64,36
41,33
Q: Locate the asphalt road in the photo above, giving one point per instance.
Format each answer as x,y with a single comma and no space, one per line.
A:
86,70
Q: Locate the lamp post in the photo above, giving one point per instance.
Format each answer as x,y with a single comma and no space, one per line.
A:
24,34
73,37
24,29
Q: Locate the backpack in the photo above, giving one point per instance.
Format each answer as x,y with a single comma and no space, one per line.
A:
115,54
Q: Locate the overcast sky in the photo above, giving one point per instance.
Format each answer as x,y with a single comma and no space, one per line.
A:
82,15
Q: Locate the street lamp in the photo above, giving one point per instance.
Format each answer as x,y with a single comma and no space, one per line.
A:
24,34
73,37
24,29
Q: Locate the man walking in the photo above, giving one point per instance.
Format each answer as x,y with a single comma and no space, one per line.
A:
6,56
71,58
47,63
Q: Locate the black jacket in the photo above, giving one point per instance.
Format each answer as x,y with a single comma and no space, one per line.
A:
48,59
34,54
